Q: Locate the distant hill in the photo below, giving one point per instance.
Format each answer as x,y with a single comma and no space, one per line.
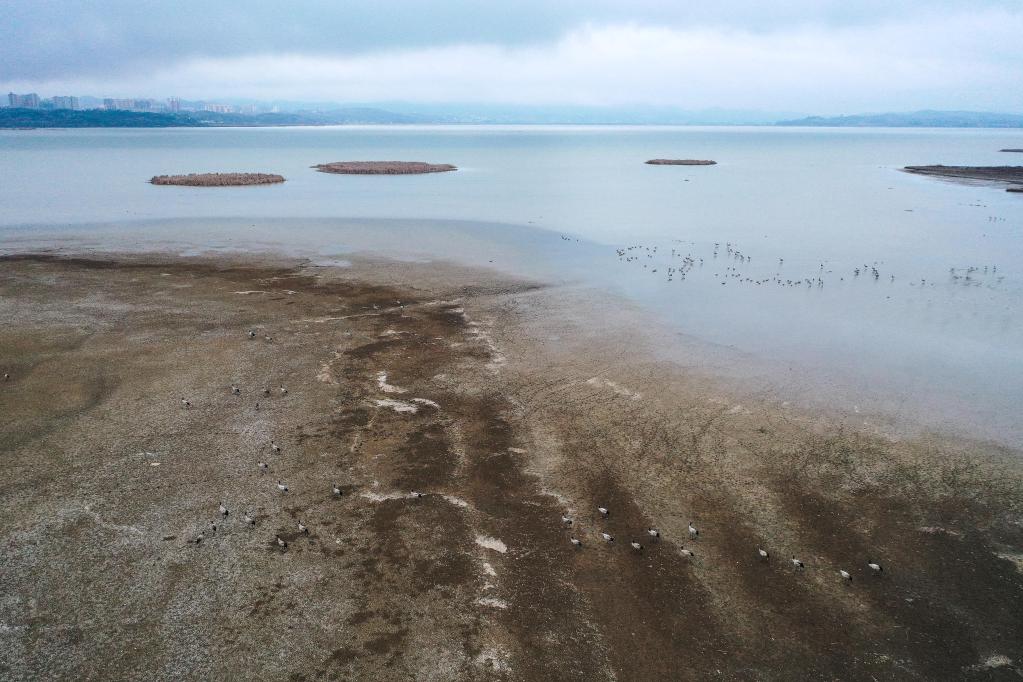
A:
101,118
914,119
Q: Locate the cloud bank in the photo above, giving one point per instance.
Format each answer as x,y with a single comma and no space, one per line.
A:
960,58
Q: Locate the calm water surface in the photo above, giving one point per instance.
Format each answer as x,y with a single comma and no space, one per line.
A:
940,345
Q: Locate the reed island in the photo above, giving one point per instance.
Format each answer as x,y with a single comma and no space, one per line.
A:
383,167
218,179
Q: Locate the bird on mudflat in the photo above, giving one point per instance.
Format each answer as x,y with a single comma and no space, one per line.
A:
567,520
636,546
875,567
185,403
282,543
654,533
763,553
336,490
846,575
603,511
686,552
693,532
249,520
280,486
607,538
302,528
223,510
797,563
576,541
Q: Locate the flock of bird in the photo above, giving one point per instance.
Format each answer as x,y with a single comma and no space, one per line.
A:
733,267
567,521
694,533
282,488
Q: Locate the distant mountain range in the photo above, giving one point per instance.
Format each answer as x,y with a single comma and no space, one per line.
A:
914,119
463,114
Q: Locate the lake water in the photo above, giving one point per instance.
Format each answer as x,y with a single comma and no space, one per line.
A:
939,345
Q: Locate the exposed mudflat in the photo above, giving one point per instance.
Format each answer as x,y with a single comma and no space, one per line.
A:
383,167
487,397
1012,175
218,179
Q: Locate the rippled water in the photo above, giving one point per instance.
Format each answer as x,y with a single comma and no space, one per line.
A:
941,344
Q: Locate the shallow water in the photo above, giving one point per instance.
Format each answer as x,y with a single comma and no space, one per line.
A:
929,347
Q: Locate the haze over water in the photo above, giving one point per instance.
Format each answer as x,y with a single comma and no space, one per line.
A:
930,347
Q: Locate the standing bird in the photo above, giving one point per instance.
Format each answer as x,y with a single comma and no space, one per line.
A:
185,403
336,490
416,495
282,543
235,390
693,532
636,546
845,575
199,538
796,562
654,533
275,447
249,520
607,537
763,553
266,392
280,486
577,542
283,390
603,511
268,338
223,510
567,520
686,552
263,466
213,528
875,567
6,376
252,333
302,528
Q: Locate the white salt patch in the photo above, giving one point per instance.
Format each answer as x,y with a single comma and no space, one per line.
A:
618,389
492,659
397,405
491,543
428,403
457,501
492,602
517,451
386,387
252,291
377,497
489,570
993,661
738,409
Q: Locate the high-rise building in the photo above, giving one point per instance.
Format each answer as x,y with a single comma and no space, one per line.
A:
218,108
65,102
121,104
29,101
173,104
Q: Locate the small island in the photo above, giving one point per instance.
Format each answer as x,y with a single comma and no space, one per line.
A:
218,179
1019,151
383,167
681,162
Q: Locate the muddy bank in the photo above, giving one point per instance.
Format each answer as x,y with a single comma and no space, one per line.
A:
383,167
507,414
1012,175
217,179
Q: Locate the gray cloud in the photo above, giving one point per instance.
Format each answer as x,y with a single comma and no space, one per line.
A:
812,54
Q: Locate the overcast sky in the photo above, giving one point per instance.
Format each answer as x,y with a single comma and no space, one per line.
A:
815,56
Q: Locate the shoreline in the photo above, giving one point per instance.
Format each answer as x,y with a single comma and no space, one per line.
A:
507,413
